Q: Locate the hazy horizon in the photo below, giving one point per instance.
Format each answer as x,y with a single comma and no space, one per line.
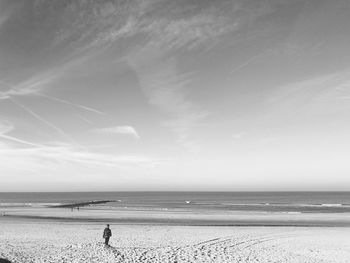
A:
228,95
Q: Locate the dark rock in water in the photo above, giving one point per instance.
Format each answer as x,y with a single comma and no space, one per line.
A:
2,260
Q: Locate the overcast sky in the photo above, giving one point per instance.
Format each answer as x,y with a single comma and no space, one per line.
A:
174,95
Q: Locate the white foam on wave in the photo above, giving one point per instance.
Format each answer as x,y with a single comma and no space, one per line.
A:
332,205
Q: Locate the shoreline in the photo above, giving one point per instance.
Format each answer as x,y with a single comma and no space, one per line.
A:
177,218
196,223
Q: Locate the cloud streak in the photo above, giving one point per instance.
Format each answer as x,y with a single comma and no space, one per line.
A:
119,130
71,103
35,87
313,94
41,119
57,155
250,61
6,128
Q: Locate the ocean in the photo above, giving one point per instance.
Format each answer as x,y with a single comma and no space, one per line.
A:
301,202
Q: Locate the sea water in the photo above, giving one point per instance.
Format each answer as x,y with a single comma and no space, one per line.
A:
322,202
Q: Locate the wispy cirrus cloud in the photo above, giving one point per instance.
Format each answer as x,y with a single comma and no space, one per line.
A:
37,85
188,32
121,130
5,129
185,27
165,89
28,87
157,65
52,157
164,31
316,95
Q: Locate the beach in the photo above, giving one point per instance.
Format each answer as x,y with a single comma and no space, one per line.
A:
175,227
43,234
40,241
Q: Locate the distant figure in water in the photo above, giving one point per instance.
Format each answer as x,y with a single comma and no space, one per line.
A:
107,233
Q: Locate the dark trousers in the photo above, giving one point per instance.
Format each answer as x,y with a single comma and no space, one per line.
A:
106,240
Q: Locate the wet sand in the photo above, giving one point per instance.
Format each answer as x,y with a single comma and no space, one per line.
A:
177,217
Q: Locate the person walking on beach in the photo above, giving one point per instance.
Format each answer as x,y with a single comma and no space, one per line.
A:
107,233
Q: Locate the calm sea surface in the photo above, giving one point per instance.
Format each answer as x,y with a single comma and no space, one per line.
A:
327,202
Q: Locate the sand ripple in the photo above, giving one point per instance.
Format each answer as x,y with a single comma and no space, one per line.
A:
164,244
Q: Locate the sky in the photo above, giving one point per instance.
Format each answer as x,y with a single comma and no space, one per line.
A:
232,95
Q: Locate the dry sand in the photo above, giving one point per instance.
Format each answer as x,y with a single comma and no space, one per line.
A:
40,241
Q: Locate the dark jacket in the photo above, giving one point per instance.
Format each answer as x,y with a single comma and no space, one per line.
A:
107,232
